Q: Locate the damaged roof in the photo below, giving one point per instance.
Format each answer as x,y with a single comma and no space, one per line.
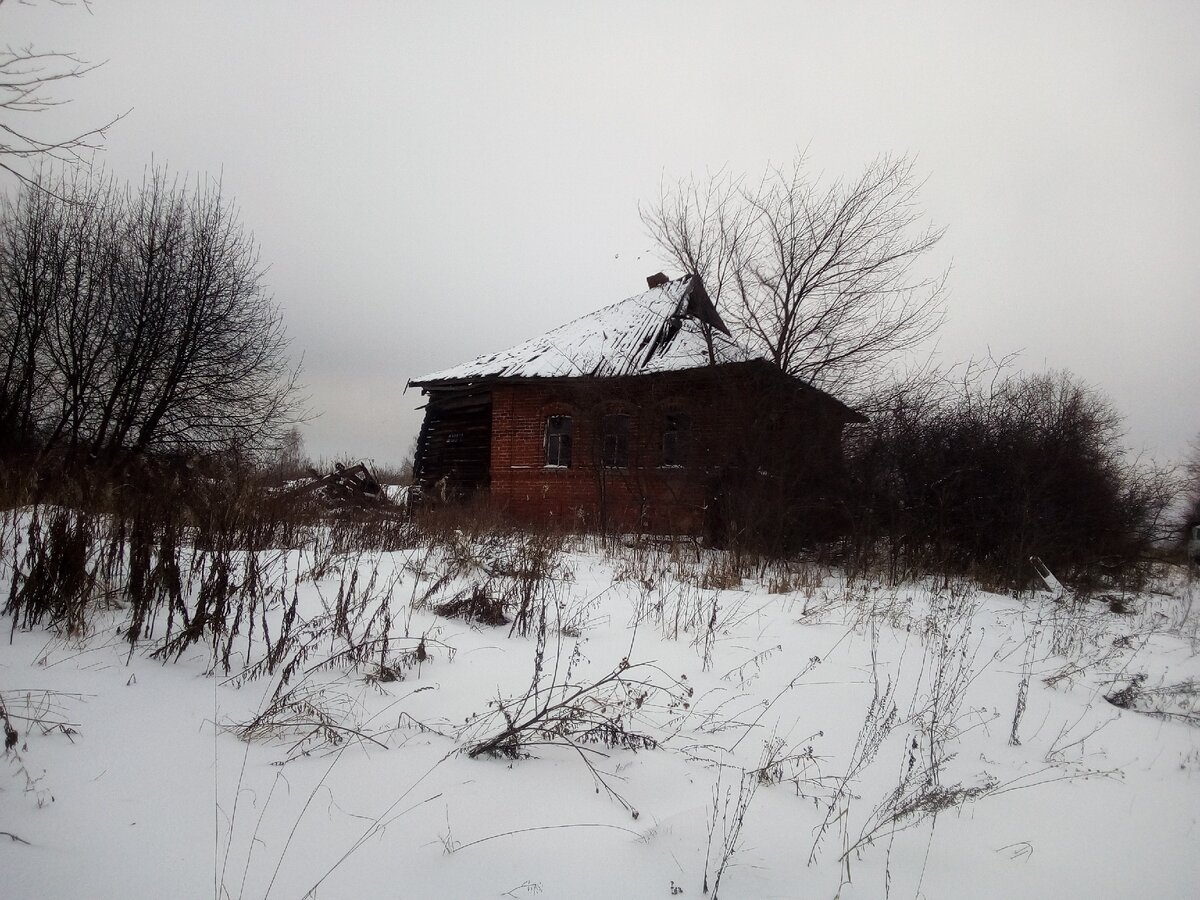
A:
661,330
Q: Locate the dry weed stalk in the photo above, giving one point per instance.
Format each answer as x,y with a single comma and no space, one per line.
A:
41,709
728,810
1178,702
309,717
606,711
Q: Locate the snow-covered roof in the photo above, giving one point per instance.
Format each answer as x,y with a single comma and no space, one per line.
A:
661,330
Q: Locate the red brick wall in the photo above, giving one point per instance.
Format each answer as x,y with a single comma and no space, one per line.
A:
645,495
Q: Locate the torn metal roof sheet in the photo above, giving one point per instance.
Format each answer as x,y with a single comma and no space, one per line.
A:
661,330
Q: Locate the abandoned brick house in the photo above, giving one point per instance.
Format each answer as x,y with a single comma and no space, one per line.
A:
643,416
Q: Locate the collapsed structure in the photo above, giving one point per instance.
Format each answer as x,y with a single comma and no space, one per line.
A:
645,416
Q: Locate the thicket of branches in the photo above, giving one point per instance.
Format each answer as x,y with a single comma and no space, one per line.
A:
980,473
134,319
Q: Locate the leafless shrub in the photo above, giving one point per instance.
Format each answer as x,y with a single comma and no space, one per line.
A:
396,665
1031,647
949,664
308,718
474,604
574,615
192,556
353,631
1177,702
1180,613
613,711
681,610
735,789
795,764
912,802
794,577
974,472
1076,626
529,888
471,523
873,606
642,562
502,578
197,558
1080,632
724,571
379,529
746,672
606,711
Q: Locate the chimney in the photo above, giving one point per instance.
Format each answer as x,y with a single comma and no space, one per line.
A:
658,279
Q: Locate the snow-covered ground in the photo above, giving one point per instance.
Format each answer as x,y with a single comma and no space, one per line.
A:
788,733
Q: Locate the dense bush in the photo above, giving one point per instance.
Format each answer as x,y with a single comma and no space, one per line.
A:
981,473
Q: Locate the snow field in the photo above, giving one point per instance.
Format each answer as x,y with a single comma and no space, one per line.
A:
825,739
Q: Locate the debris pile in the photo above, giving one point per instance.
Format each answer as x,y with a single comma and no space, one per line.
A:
352,485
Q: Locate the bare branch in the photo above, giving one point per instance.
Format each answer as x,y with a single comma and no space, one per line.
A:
26,76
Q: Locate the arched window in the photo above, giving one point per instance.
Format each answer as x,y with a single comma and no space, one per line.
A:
675,435
614,452
558,442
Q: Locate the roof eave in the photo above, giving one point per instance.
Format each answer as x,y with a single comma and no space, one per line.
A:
549,379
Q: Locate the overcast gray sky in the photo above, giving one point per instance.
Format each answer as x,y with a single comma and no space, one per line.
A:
432,181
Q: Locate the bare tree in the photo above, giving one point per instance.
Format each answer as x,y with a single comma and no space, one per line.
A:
28,77
823,279
136,320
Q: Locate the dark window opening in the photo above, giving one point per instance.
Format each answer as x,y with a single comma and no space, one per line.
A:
615,449
558,441
675,440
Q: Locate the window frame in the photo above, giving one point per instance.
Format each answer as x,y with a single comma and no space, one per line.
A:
615,443
678,456
557,441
